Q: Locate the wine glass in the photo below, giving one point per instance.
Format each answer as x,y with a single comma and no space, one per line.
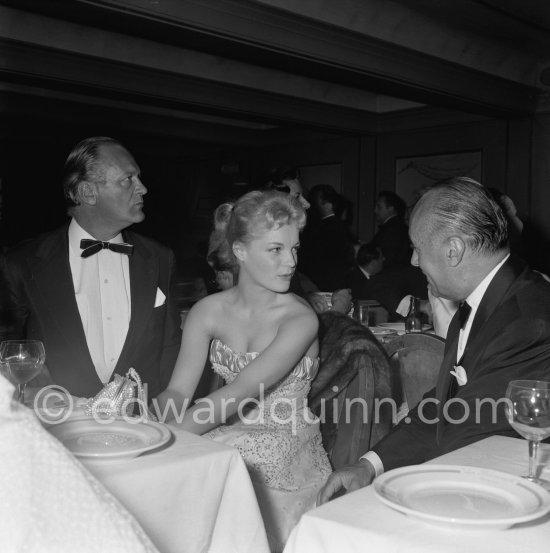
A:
23,360
528,411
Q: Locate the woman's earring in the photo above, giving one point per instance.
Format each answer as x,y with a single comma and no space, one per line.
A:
238,252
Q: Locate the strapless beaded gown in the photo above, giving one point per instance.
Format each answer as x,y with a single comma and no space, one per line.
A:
279,440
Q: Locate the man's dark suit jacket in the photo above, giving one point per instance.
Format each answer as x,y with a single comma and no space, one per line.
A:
6,317
326,254
393,240
389,286
44,305
509,340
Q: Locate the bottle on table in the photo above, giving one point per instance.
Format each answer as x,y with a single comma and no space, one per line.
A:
413,322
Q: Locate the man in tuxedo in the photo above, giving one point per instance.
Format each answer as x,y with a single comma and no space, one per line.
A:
392,236
500,333
370,280
97,295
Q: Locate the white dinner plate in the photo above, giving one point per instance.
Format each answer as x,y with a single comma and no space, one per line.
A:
400,326
469,497
381,331
91,439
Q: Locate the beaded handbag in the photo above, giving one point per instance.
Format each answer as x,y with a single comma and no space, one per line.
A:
119,397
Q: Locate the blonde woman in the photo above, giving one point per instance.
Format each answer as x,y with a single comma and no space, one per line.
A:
263,341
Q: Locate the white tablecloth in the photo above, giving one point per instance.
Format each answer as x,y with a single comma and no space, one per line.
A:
360,523
194,496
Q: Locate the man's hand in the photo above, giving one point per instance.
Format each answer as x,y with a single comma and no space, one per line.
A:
341,300
318,302
350,478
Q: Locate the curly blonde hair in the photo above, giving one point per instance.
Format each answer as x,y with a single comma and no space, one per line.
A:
248,218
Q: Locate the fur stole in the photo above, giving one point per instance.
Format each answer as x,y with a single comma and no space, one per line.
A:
346,347
344,344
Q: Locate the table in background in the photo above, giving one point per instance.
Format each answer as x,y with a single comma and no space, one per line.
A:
360,523
194,496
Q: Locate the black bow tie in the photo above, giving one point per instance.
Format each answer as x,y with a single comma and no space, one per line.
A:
90,247
463,313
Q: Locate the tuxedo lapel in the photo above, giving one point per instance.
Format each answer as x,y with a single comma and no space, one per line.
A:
143,266
51,273
492,298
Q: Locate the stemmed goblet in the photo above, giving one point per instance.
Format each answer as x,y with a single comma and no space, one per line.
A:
23,360
528,411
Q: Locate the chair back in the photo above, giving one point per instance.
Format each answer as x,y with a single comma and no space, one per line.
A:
354,372
418,357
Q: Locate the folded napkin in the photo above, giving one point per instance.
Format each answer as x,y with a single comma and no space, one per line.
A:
404,306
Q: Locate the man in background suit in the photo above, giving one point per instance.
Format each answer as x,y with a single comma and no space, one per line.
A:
370,280
98,296
392,236
500,333
327,255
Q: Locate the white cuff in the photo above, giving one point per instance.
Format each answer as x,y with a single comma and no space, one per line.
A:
375,461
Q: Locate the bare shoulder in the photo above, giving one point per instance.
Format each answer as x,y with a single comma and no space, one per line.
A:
299,326
213,306
298,309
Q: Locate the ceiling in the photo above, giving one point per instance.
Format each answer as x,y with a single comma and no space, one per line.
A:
347,66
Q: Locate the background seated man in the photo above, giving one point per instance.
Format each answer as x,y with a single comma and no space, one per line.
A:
370,280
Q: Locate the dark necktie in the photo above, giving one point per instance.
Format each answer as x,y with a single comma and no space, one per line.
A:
91,247
446,387
460,321
463,313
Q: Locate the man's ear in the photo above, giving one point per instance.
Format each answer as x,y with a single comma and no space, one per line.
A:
455,250
238,251
86,193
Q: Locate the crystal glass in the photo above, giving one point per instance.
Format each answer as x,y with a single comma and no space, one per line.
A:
528,411
363,313
23,360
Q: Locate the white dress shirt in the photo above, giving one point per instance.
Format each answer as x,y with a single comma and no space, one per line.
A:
474,299
387,219
364,272
443,311
102,291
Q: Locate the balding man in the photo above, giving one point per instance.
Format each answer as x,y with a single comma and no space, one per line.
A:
98,296
500,333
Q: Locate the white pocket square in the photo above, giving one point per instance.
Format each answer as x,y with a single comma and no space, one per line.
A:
460,374
160,299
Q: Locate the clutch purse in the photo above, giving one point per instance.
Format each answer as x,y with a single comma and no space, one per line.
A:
119,398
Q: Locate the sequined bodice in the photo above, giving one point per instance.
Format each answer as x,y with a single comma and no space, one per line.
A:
279,439
228,364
